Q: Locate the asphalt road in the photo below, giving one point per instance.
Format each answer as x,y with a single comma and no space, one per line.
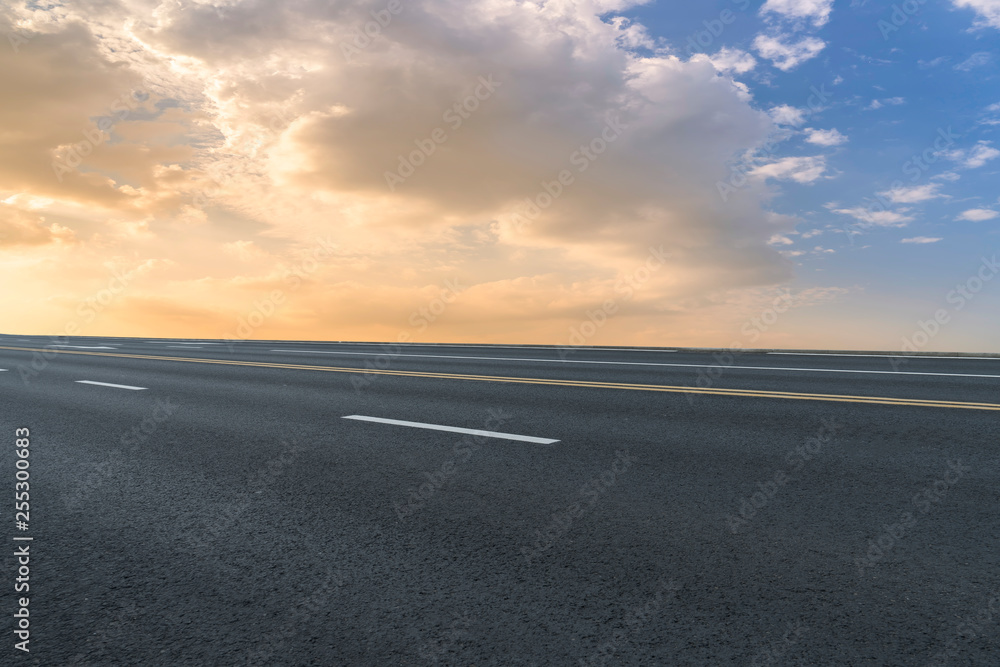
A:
208,503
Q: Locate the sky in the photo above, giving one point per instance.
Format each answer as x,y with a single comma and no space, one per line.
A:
810,174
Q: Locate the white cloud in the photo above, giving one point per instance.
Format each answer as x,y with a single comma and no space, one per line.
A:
980,154
975,60
978,215
947,176
921,239
787,115
876,218
976,156
785,54
878,104
733,60
798,169
817,11
633,35
987,10
830,137
913,195
924,64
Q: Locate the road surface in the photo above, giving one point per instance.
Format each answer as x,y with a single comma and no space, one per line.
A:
290,503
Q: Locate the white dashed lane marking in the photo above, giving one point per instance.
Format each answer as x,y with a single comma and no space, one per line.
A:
108,384
455,429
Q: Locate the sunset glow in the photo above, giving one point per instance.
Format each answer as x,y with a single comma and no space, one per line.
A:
562,172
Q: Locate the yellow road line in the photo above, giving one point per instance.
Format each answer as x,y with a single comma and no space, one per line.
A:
747,393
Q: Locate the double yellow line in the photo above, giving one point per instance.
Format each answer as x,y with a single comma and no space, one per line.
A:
749,393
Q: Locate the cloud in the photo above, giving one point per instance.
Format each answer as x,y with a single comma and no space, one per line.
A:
61,82
982,153
28,228
258,130
878,104
733,60
978,215
925,64
921,239
816,11
798,169
830,137
786,54
974,157
988,11
246,251
975,60
787,115
875,218
913,195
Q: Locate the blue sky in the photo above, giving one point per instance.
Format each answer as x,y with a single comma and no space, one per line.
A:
896,81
